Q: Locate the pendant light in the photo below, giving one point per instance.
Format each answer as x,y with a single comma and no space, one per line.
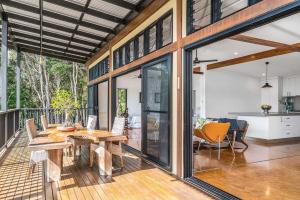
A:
266,85
196,60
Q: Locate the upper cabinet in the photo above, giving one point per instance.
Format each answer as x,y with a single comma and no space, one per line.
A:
291,86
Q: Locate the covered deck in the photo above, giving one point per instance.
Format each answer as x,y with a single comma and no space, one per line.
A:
138,180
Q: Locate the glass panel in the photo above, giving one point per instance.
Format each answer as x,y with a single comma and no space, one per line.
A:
141,46
156,109
103,105
157,88
123,51
167,31
230,6
157,136
201,15
116,59
152,39
131,50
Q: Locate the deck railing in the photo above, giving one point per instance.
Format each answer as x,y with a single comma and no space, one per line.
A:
9,126
12,121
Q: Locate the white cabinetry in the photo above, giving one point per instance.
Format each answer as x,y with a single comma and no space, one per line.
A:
273,127
291,86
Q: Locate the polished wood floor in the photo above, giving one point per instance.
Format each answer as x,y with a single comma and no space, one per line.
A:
138,181
263,171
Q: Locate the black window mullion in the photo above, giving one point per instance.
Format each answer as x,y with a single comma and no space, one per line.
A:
101,68
115,59
159,34
216,10
127,52
120,57
252,2
190,18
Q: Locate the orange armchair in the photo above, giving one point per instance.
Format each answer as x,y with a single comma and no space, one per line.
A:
214,133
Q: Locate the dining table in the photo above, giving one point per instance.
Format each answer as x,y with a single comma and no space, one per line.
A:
54,141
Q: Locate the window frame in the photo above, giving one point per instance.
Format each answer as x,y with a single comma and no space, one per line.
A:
215,13
145,33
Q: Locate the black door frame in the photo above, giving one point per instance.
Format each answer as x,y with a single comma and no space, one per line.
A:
266,18
113,102
166,58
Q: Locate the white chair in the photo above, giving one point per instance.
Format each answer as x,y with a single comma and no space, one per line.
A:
118,129
79,141
44,122
35,156
92,122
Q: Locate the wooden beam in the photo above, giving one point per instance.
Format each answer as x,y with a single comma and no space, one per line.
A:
197,70
256,56
144,15
254,40
179,111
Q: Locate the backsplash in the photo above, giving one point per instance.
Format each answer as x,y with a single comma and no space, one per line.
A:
297,103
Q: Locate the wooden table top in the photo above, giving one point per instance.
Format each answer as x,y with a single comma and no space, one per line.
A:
59,138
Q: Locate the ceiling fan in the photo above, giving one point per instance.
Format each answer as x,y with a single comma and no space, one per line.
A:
136,76
197,61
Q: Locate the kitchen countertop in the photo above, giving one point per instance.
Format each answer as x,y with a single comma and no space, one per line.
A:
260,114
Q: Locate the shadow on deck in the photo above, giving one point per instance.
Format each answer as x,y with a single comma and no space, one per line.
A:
138,180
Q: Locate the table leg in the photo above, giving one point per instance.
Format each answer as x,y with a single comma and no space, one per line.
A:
105,158
54,164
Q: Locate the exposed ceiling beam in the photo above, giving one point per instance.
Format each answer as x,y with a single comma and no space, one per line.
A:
122,3
53,26
10,35
55,48
52,52
256,56
32,37
79,20
34,50
49,53
50,34
90,11
57,16
254,40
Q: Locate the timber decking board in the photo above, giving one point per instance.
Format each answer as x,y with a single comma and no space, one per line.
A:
138,180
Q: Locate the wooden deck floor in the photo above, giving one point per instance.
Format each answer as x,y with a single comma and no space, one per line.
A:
137,181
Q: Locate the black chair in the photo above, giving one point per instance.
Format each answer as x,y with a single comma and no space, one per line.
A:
237,131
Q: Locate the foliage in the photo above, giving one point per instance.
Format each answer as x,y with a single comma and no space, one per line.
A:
122,100
63,101
40,83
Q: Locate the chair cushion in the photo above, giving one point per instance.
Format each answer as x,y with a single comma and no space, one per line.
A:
38,156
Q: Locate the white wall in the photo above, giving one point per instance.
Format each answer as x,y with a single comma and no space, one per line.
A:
103,105
133,86
199,88
227,91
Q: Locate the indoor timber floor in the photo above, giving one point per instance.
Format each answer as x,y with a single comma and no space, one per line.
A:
263,171
138,181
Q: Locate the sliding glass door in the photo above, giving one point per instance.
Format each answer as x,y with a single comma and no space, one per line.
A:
156,111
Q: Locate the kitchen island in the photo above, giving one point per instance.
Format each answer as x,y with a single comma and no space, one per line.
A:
272,126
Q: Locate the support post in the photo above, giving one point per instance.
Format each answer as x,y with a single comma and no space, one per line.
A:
18,79
4,63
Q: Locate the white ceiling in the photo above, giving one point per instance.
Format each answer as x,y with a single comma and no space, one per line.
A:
286,31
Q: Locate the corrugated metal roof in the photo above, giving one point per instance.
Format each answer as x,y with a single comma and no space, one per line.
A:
73,29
